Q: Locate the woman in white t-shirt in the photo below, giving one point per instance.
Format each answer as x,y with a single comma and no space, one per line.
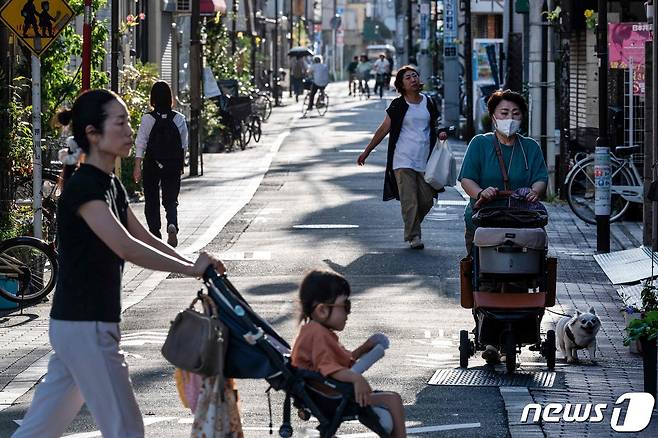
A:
411,122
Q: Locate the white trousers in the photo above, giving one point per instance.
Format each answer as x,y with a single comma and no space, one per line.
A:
86,367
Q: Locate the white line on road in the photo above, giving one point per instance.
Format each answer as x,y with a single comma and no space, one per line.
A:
425,429
325,226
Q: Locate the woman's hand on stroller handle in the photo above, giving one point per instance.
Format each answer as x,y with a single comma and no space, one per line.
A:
489,194
207,262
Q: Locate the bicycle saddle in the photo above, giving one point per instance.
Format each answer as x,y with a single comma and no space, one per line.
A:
626,150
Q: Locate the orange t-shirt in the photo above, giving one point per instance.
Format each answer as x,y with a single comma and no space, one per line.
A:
317,349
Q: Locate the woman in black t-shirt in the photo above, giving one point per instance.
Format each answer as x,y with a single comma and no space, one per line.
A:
97,232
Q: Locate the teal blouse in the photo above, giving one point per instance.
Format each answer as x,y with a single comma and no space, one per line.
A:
481,165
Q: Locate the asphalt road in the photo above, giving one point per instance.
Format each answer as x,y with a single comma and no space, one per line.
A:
317,208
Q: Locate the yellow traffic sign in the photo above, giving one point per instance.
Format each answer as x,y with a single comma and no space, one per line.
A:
36,23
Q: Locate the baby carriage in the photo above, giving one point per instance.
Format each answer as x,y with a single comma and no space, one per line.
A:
256,351
508,283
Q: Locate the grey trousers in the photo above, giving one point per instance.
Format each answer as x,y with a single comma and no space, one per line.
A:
86,367
416,200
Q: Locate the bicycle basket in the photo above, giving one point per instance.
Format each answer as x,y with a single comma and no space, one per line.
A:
239,107
509,218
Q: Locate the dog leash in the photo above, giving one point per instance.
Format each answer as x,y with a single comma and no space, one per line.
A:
558,313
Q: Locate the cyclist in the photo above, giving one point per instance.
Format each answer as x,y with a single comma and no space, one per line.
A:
363,71
351,72
319,73
381,68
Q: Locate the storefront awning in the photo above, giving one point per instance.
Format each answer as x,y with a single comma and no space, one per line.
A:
207,7
211,7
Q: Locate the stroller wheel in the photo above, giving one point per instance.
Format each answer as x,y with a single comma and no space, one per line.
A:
464,348
510,352
303,414
548,350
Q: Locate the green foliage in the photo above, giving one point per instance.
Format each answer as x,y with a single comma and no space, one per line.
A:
217,51
643,328
20,134
135,82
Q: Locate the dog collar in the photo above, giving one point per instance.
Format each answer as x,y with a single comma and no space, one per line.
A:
572,338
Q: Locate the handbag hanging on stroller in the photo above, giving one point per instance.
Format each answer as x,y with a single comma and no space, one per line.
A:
256,351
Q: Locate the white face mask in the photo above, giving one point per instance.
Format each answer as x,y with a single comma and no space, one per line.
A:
507,127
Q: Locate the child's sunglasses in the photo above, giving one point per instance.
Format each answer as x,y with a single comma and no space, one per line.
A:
347,304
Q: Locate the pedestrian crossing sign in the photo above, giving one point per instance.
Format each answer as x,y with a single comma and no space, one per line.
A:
37,23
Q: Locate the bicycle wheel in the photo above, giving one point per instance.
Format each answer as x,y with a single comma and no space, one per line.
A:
32,264
322,104
580,184
245,135
305,106
256,128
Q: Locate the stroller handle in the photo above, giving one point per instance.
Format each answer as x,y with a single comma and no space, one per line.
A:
500,194
210,274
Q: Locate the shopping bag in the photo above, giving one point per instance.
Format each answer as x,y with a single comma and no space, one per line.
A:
441,169
217,414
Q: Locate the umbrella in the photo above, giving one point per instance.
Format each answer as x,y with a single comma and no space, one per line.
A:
300,52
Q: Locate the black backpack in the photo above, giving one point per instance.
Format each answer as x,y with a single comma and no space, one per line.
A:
164,144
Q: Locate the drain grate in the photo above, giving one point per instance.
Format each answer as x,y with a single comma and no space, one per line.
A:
475,377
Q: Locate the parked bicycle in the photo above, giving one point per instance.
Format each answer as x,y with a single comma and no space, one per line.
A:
626,184
50,189
321,103
28,270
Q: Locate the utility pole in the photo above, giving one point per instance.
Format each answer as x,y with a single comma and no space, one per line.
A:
602,152
468,74
234,17
86,46
195,88
275,73
410,31
114,50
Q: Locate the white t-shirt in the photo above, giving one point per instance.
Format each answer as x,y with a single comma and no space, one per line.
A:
381,66
413,146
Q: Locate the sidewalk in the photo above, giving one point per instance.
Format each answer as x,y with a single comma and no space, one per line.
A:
207,203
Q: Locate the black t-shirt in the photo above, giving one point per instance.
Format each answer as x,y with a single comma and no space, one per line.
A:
351,67
89,282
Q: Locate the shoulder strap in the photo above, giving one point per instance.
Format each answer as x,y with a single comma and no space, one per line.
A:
501,162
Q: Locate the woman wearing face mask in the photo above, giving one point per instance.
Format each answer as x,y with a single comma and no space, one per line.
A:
481,175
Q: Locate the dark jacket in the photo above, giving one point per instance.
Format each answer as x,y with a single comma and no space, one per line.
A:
396,111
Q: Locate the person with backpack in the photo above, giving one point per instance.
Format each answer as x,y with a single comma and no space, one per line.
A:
159,160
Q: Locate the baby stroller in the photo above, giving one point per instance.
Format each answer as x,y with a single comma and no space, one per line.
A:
256,351
508,283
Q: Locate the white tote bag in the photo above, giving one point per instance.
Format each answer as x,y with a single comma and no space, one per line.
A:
441,169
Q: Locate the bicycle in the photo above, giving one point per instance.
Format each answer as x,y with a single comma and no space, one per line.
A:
626,185
321,103
50,189
28,270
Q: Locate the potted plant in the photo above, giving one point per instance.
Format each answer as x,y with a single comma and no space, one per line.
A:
645,330
630,313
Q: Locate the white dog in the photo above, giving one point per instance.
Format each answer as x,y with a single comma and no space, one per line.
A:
578,332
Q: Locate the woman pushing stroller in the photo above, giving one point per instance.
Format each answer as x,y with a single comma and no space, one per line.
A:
97,232
325,305
502,160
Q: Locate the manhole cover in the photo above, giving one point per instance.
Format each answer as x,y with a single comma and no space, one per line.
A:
475,377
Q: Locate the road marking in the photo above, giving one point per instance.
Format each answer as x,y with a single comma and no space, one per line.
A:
325,226
246,255
424,429
456,202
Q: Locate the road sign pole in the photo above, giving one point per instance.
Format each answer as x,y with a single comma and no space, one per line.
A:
86,47
36,133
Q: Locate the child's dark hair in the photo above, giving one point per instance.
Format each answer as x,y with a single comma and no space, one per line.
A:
320,286
88,109
161,98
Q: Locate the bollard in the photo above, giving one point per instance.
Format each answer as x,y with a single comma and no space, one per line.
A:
649,365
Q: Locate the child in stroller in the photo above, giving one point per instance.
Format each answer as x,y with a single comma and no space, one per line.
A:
256,351
325,305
